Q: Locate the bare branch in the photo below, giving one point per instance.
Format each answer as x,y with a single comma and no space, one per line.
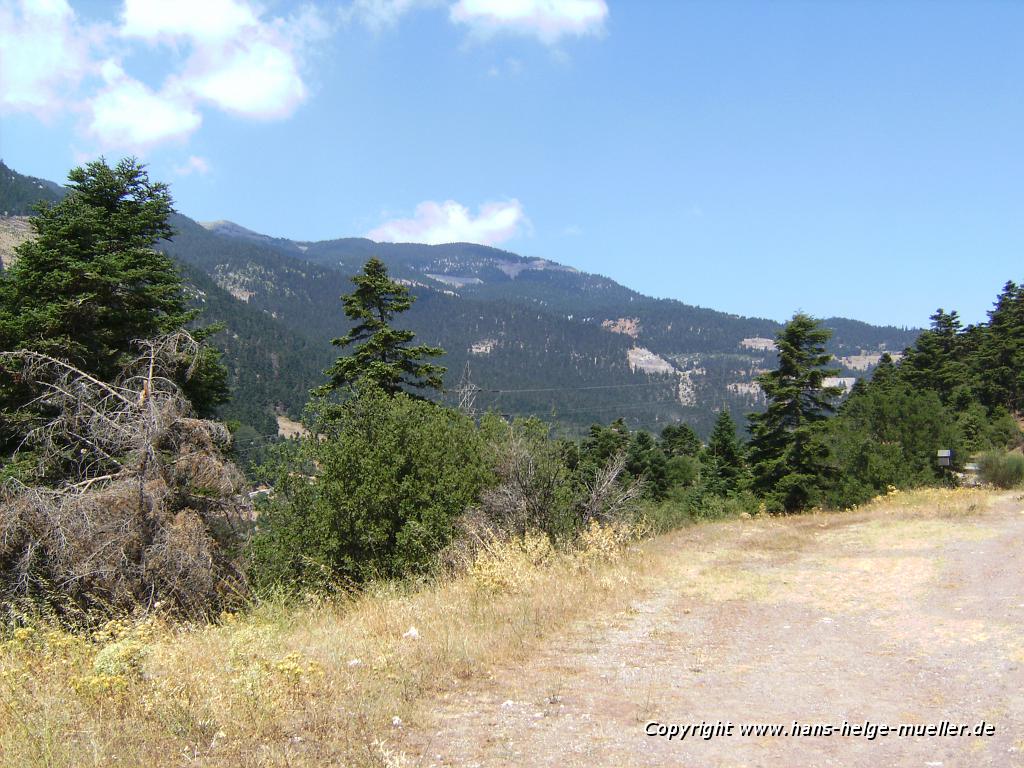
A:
148,509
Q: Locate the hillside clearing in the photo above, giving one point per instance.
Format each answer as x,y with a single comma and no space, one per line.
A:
907,611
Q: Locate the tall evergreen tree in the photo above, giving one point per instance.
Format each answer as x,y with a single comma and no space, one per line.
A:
938,359
1001,351
604,442
644,459
788,458
90,282
724,460
381,356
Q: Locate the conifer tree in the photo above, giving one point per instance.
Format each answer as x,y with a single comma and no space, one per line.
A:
90,283
724,460
1001,353
938,359
644,459
679,440
788,458
381,355
605,442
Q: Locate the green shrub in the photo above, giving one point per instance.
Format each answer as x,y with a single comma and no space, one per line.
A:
682,471
540,484
373,492
1002,469
691,505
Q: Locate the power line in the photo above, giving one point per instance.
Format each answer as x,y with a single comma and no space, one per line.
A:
621,407
467,392
573,389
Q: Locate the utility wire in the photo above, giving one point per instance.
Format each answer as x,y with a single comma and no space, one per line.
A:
620,407
573,389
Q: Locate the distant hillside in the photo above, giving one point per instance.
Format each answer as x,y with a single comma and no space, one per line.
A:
539,337
19,194
586,347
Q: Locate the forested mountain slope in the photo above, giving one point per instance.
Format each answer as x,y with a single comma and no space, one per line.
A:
539,337
19,193
526,323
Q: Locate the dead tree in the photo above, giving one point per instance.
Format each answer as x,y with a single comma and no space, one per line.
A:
147,510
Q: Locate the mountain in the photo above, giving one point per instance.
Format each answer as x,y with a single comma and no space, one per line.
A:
538,337
18,193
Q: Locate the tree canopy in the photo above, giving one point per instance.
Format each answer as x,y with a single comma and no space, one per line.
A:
381,356
788,460
90,284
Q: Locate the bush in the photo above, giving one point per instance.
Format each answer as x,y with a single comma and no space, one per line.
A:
131,502
886,434
535,490
1002,469
699,502
373,492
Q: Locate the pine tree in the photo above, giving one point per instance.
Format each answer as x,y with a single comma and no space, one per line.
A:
605,442
381,356
645,460
679,440
937,361
724,460
90,283
788,458
1001,353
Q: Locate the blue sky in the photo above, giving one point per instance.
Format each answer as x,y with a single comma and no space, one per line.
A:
863,159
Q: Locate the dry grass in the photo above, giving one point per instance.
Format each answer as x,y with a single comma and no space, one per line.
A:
768,560
311,685
323,683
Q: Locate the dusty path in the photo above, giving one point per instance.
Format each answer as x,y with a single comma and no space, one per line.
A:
896,618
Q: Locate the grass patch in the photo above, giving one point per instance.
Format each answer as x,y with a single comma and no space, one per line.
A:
309,685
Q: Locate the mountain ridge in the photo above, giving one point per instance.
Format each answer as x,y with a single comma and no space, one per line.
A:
538,337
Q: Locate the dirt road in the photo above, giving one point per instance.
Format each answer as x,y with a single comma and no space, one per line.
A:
899,617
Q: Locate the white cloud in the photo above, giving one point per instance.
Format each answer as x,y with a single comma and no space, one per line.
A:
257,79
238,61
127,114
377,14
208,20
194,164
224,53
43,55
450,222
548,20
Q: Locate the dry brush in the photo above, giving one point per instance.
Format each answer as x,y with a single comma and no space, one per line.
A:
147,510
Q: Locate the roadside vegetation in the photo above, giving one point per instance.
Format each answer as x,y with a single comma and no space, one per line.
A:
338,679
153,609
